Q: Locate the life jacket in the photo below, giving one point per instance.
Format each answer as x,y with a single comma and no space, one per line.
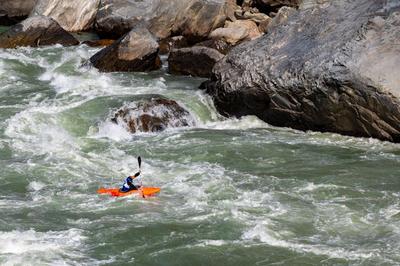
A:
128,184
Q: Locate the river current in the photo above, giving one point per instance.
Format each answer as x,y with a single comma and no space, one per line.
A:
234,191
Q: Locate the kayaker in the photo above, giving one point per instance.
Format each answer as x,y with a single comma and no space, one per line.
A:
128,184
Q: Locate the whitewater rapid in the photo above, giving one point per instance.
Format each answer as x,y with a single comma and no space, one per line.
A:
234,191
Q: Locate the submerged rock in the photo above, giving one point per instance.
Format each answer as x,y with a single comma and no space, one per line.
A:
197,61
36,31
72,15
136,51
332,68
14,11
194,19
154,115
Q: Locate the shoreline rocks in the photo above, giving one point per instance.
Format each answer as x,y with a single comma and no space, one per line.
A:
308,75
72,15
193,19
135,51
14,11
36,31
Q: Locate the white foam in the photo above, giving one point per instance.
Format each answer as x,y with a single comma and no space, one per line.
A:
262,233
113,131
34,248
35,186
243,123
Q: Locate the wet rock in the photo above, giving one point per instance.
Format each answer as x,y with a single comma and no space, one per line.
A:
154,115
194,19
330,68
36,31
72,15
14,11
234,32
195,61
136,51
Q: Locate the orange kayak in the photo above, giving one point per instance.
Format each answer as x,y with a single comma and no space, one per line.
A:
145,191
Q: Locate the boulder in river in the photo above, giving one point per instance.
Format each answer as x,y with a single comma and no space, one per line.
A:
154,115
197,61
72,15
331,68
135,51
14,11
194,19
36,31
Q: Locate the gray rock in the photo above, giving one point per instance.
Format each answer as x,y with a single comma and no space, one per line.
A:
194,19
196,61
135,51
154,115
36,31
72,15
14,11
334,68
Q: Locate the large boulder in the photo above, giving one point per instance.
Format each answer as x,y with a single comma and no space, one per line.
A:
36,31
334,67
197,61
191,18
14,11
154,115
72,15
135,51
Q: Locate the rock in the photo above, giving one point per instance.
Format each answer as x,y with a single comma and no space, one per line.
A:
135,51
332,69
176,42
72,15
281,17
36,31
272,3
196,61
217,44
99,43
237,31
154,115
14,11
194,19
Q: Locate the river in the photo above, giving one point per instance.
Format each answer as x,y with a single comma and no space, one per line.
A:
234,191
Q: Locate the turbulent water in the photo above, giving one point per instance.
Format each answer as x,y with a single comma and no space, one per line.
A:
234,192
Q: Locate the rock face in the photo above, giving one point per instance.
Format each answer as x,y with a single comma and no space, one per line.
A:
191,18
152,116
332,68
13,11
36,31
196,61
72,15
136,51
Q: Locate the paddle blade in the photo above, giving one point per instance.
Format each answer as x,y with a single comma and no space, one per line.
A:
139,159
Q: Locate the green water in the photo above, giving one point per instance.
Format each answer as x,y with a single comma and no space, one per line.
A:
234,192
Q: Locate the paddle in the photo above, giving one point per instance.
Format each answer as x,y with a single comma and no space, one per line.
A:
139,159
